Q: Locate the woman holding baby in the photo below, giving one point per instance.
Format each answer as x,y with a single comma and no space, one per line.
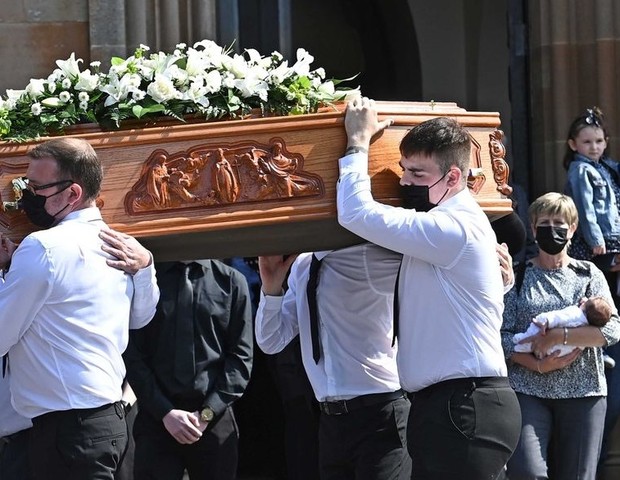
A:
562,395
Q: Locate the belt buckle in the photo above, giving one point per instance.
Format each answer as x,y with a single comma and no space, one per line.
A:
338,407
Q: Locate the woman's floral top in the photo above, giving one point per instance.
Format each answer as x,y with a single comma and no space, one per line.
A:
545,290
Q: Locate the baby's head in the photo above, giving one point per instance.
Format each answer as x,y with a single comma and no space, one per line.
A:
597,311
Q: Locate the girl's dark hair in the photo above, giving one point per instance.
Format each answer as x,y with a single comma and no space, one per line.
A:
593,117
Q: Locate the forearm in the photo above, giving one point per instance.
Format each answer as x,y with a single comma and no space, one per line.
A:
526,360
586,336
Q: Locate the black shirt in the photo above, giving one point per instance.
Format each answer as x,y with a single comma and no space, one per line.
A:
223,341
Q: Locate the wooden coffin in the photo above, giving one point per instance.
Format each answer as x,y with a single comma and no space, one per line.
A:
251,186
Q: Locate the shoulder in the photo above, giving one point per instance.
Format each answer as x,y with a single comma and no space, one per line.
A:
583,267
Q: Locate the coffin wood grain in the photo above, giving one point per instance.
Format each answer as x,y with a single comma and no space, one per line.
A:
287,225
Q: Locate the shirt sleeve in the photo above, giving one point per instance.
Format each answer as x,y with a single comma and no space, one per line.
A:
434,237
145,297
141,376
238,351
276,318
582,192
23,291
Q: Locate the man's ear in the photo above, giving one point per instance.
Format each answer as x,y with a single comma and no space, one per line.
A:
454,177
76,194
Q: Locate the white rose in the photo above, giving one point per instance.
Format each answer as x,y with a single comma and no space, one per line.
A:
36,87
213,81
84,106
64,96
66,83
83,97
161,89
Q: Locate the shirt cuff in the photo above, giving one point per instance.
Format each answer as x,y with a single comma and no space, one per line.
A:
145,276
354,163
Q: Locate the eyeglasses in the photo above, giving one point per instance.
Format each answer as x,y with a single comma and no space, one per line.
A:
36,188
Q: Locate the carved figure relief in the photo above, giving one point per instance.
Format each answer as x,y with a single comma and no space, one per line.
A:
475,178
219,176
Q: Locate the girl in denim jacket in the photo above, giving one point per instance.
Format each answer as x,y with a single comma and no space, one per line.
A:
592,185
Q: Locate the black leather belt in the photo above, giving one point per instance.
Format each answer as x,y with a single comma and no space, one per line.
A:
341,407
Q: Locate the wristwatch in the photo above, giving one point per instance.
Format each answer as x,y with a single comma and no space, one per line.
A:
206,414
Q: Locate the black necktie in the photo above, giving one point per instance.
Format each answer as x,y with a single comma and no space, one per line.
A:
313,280
184,366
396,312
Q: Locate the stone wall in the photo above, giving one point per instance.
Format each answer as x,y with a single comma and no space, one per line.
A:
34,33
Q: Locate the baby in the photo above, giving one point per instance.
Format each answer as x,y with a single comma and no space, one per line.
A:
593,311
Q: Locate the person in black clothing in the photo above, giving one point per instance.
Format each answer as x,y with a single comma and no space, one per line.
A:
187,367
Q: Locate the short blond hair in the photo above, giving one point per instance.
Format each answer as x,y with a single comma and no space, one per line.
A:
554,204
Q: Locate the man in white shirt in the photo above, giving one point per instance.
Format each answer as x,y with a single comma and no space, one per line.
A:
65,315
352,366
465,419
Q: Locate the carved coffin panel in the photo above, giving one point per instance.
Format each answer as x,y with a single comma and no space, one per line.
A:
252,186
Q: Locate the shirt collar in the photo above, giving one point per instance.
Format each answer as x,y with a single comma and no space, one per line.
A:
165,266
88,214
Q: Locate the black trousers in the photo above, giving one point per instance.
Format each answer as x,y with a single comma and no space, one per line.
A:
465,428
368,443
159,456
301,436
78,444
14,458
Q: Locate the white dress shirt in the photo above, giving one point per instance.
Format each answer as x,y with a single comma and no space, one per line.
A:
65,317
450,289
355,296
10,421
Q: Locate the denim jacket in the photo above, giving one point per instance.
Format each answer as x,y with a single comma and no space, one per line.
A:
590,188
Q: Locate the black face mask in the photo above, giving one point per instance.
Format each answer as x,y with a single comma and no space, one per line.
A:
417,196
34,206
551,240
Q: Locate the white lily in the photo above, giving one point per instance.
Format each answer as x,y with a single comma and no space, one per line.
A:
252,86
304,59
71,66
118,88
280,73
87,82
51,102
197,62
212,51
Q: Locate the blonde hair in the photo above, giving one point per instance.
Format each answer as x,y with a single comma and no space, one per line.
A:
553,204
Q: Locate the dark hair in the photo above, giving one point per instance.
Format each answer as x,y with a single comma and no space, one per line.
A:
443,137
76,160
593,117
598,311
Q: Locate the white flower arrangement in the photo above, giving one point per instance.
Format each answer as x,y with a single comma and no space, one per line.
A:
205,80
